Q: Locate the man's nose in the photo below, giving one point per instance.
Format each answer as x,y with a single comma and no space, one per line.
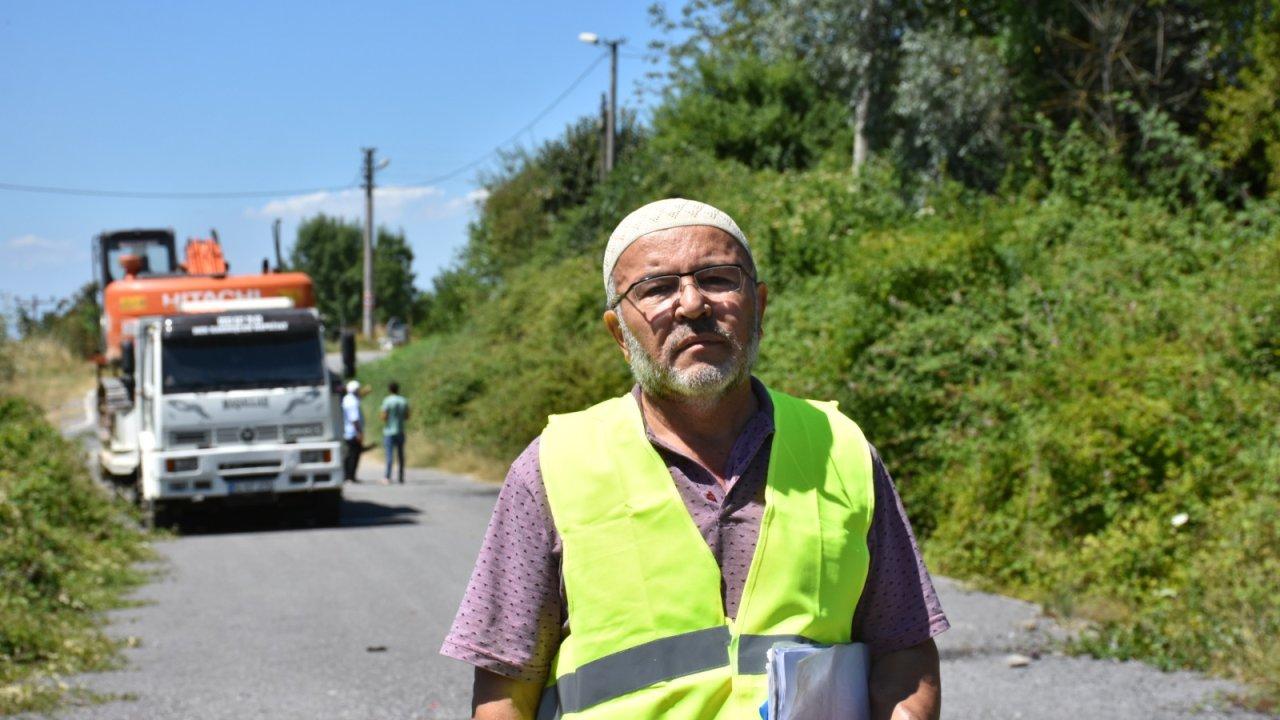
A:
690,302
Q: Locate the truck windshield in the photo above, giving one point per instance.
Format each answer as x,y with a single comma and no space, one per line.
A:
231,362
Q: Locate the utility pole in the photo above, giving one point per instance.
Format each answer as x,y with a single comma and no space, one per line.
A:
604,133
611,137
367,297
611,129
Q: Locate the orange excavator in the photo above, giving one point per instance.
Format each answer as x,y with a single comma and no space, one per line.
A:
140,277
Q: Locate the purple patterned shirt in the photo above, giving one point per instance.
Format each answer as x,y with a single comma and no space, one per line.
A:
513,618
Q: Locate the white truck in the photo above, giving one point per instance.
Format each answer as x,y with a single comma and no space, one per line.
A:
233,407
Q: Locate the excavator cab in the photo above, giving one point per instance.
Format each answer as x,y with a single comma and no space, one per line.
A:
153,250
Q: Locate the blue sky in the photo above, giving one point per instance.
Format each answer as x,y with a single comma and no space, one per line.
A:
242,96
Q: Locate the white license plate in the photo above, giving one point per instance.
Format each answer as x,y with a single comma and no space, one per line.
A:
240,487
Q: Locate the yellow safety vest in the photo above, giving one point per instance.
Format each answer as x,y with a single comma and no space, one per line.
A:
648,634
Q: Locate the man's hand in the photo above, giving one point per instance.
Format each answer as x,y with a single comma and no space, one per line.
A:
906,684
494,697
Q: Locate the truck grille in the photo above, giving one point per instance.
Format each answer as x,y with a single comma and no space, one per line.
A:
247,434
189,437
258,470
269,464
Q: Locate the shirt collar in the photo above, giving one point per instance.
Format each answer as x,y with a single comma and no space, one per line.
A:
763,418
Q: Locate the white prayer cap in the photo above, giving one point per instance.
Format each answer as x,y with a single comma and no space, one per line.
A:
353,386
664,215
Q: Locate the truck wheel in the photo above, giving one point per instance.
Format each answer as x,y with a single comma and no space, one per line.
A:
327,508
161,515
124,487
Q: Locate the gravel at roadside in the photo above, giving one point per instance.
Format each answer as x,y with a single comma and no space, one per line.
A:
999,660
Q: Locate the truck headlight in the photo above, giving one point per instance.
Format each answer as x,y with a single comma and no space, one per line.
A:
182,464
314,456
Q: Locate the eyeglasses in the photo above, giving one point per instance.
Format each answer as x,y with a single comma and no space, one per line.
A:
715,282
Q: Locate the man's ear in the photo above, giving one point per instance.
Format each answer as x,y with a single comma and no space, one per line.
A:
762,300
612,323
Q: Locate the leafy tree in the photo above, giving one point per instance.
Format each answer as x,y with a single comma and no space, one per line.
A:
954,88
6,356
1244,116
1083,60
393,276
953,100
849,46
908,75
73,321
852,46
762,114
329,249
534,188
444,307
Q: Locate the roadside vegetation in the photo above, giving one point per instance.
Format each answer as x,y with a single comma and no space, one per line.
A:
68,551
1052,305
45,371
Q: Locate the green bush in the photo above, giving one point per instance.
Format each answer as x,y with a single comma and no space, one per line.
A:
66,554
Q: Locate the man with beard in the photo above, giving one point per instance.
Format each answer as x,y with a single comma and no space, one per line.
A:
645,553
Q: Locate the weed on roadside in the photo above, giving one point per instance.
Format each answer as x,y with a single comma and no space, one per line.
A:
68,553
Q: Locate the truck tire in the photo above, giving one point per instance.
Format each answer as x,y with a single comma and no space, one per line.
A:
124,487
326,509
160,515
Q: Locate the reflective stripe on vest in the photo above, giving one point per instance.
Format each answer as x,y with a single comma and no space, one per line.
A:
636,668
648,635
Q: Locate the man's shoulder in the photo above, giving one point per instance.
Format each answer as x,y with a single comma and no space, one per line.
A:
525,472
530,456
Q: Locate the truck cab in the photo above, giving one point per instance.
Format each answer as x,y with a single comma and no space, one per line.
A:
227,407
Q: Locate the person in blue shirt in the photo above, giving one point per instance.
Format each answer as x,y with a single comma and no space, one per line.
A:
352,430
395,411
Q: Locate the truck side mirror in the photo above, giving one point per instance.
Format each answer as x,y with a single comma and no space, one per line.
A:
348,343
126,358
127,367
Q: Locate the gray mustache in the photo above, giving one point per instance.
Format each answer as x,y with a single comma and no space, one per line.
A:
701,326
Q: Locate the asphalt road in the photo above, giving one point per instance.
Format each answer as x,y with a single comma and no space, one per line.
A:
260,619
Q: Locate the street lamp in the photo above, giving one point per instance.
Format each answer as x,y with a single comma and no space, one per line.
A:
591,38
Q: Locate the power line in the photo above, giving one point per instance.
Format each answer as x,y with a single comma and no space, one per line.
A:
142,194
516,135
233,194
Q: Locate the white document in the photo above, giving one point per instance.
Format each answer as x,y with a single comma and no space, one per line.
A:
818,682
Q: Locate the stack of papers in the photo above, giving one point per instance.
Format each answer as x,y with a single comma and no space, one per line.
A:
808,682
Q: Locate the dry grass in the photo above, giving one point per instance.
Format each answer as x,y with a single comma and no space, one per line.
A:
48,374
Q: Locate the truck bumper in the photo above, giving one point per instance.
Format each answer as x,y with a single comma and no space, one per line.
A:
242,475
118,463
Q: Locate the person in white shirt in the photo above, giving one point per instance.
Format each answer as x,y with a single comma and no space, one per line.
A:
352,430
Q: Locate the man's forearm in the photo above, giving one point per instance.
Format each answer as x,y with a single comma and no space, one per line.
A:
494,697
906,684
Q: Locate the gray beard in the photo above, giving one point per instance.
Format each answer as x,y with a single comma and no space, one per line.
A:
702,382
